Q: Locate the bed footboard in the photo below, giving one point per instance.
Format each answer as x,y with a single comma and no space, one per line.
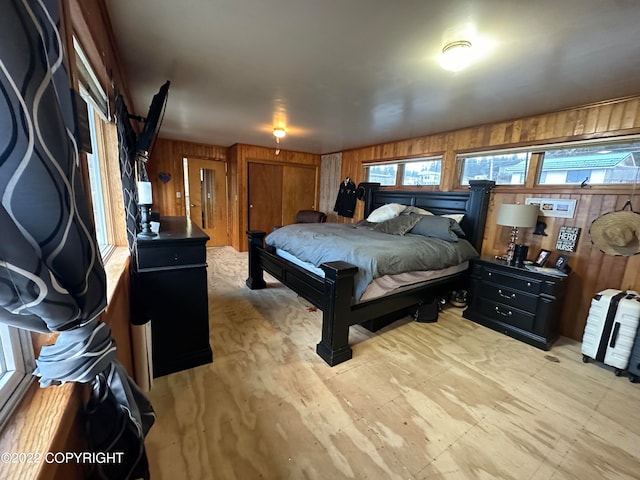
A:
334,346
331,294
255,280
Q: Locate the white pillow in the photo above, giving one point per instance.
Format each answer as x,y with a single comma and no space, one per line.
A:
386,212
457,217
418,210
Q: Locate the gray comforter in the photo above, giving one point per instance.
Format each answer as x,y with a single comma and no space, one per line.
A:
374,253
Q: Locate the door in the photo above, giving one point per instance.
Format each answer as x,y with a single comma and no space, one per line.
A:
206,198
298,192
265,196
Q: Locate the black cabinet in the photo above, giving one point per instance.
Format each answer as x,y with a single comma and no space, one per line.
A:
516,301
172,273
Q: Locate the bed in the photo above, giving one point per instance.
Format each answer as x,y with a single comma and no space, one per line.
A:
333,292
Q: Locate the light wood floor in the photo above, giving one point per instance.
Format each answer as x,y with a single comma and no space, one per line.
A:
448,400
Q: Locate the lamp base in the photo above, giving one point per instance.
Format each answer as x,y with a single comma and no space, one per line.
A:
511,250
520,255
145,222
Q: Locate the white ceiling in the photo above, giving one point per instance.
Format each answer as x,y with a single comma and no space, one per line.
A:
341,74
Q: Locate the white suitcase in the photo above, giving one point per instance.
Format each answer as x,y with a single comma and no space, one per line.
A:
611,328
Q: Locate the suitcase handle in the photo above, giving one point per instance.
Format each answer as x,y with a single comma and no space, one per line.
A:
614,335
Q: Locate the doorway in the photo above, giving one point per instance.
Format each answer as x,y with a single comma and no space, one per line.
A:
205,186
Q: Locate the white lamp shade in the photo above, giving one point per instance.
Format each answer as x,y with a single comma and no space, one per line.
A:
144,193
516,215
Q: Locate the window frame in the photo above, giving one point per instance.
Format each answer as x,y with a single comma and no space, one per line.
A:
102,132
400,171
95,168
18,362
601,144
462,158
534,167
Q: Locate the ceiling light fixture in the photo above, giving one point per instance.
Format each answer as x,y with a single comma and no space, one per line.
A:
278,133
456,55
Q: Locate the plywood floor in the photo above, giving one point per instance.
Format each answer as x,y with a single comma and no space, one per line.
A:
449,400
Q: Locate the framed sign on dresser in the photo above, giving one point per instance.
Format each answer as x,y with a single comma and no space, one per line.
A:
172,273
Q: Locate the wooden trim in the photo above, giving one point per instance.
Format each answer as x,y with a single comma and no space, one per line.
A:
533,169
604,135
47,420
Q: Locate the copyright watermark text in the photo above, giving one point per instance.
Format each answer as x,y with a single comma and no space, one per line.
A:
61,457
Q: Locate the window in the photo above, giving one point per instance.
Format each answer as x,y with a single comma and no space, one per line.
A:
504,169
426,172
97,115
415,172
97,198
384,174
601,164
16,365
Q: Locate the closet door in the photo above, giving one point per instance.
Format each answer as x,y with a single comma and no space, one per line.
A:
298,191
265,196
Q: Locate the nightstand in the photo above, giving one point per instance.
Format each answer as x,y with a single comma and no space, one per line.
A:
521,303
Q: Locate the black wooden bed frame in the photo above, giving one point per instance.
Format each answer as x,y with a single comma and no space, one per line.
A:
333,294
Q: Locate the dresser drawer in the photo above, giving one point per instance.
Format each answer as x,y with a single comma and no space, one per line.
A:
506,314
510,297
171,256
524,284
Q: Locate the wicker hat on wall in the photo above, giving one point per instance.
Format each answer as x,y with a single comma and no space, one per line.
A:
617,233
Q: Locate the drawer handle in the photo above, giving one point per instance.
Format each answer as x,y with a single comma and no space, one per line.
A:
513,295
508,314
175,258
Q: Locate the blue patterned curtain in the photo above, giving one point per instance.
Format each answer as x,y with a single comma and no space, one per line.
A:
51,274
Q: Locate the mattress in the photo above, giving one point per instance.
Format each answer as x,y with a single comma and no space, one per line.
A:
387,284
376,254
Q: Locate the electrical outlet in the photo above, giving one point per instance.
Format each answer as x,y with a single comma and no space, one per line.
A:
178,195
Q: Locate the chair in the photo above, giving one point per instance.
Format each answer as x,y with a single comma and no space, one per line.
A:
310,216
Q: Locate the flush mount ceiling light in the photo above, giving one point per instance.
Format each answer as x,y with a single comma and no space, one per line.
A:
279,133
456,55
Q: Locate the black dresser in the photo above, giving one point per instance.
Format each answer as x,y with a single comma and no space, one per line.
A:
516,301
172,272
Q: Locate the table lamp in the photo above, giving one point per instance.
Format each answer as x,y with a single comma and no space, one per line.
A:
516,216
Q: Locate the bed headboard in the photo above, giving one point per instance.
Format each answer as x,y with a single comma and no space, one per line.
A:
474,203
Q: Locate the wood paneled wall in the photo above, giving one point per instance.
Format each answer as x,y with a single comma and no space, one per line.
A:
239,157
117,316
592,270
167,158
90,22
